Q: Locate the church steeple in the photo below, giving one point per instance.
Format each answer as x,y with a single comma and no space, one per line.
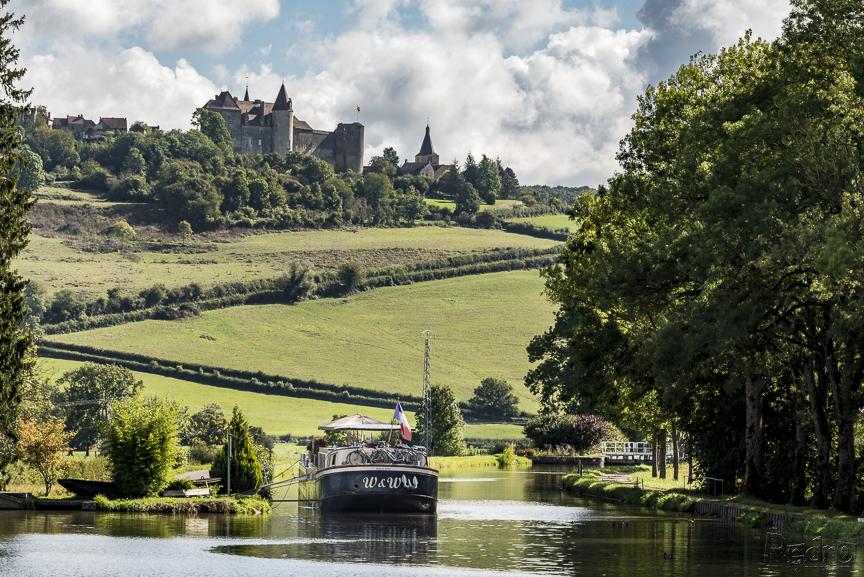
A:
246,96
427,153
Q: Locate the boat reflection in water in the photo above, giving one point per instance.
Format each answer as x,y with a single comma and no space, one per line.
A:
362,475
344,538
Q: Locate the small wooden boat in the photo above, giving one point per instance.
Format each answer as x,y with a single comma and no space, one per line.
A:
88,489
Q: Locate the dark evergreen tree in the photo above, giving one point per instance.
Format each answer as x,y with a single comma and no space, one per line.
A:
15,339
509,184
246,473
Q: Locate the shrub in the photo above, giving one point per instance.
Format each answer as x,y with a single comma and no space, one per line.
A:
180,485
142,445
507,458
153,296
94,177
577,432
131,188
203,454
351,276
296,284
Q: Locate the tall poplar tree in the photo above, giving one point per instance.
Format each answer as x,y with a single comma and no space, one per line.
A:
15,339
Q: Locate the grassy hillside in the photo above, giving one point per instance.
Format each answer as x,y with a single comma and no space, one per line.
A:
481,324
60,263
501,203
552,221
275,414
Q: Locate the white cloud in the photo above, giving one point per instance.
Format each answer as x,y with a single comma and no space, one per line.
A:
214,25
130,83
728,20
555,113
549,89
211,25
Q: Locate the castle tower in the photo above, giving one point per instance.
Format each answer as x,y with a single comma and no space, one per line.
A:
427,153
283,123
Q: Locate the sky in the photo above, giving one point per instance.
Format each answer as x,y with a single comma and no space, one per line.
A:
546,85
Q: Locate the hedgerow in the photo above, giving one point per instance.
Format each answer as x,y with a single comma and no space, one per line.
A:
175,303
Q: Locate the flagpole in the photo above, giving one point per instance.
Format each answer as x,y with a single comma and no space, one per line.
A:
390,433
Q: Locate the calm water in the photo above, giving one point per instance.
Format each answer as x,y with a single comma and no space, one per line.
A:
488,522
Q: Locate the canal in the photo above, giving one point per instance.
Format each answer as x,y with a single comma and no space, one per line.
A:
501,522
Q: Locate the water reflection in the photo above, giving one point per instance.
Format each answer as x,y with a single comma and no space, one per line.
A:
404,539
508,522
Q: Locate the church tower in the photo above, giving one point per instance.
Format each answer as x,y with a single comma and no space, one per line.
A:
427,154
283,123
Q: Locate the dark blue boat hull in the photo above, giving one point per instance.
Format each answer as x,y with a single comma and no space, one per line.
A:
373,489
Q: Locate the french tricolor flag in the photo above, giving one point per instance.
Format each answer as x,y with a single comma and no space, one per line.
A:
404,427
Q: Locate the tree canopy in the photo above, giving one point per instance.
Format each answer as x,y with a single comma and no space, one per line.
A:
713,284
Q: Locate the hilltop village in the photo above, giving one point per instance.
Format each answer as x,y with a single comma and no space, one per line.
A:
256,126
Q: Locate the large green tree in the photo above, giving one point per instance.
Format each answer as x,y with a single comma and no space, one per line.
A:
494,399
88,392
714,282
15,339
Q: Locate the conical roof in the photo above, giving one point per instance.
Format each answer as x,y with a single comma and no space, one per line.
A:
426,147
246,96
282,100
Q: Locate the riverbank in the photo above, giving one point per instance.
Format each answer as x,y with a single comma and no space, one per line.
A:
477,462
243,505
747,510
590,484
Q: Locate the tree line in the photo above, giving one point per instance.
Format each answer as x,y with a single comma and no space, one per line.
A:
715,286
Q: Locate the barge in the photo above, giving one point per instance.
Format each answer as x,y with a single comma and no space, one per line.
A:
365,473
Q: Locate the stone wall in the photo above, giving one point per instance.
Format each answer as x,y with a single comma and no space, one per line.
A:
342,148
256,139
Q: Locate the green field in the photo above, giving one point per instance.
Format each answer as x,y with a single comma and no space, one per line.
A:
551,221
275,414
58,263
70,197
500,204
481,326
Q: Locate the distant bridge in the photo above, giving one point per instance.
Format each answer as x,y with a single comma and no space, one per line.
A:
632,453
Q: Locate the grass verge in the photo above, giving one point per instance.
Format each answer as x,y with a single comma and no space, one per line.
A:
590,485
475,462
192,506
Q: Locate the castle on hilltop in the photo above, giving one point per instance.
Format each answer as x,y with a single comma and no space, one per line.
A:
258,127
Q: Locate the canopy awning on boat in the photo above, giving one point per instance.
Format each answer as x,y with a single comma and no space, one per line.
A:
358,423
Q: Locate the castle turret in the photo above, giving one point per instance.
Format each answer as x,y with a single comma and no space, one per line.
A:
283,123
427,153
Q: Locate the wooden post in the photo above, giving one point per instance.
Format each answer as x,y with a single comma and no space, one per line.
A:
661,453
675,454
654,454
